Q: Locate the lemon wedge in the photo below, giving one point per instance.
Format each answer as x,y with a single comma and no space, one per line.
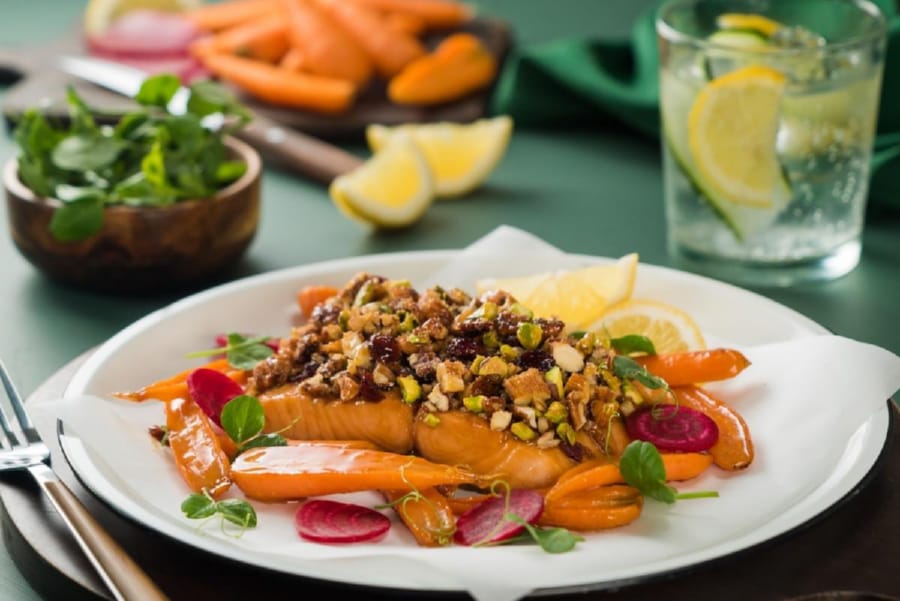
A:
392,189
732,126
99,14
670,328
578,297
748,22
461,155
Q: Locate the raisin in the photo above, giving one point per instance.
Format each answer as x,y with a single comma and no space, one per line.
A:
537,359
385,348
488,385
465,348
368,389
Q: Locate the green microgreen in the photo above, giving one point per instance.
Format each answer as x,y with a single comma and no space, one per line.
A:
629,369
201,506
550,539
642,467
243,420
242,352
633,343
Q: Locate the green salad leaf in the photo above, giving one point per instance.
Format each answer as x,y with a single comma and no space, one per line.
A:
149,157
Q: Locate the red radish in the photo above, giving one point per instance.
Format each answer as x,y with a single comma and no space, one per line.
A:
325,521
212,390
222,340
145,34
673,428
485,522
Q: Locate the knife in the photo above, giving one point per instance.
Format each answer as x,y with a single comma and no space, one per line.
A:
295,150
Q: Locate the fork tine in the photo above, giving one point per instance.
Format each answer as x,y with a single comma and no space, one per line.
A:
19,408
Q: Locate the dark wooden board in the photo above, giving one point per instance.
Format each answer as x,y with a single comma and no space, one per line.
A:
41,84
852,547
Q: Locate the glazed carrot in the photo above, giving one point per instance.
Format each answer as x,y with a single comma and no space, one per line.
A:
310,296
172,387
389,50
459,66
461,504
222,15
196,449
734,448
436,14
295,472
339,444
692,367
292,60
264,38
328,49
428,515
598,473
594,509
407,23
285,88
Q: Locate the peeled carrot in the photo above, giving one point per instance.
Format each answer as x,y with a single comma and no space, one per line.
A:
428,516
264,38
295,472
310,296
692,367
459,66
407,23
292,60
196,449
436,14
328,49
389,49
282,87
172,387
594,509
684,466
734,448
222,15
461,504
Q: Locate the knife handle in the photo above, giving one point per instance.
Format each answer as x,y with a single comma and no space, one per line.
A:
298,151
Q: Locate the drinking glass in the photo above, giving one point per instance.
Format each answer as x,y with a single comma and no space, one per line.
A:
768,115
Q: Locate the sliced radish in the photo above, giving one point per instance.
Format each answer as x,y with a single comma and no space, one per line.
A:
325,521
485,523
673,428
212,390
145,34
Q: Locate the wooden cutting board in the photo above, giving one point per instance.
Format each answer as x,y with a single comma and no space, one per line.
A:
39,83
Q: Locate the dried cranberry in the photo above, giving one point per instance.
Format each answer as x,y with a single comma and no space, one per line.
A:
465,348
537,359
385,348
368,389
489,385
307,371
551,328
575,452
507,323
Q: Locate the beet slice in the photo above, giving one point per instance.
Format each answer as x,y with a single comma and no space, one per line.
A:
673,428
325,521
212,390
484,523
145,34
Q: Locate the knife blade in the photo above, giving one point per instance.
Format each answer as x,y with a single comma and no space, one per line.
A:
294,150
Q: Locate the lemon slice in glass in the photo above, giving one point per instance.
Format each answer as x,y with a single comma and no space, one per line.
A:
461,155
732,127
578,296
748,22
392,189
99,14
670,328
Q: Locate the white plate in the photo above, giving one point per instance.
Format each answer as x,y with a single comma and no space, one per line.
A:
662,540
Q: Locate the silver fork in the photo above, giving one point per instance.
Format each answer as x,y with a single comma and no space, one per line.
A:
125,579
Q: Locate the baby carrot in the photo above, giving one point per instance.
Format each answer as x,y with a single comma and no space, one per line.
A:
264,38
196,449
436,14
594,509
692,367
292,60
222,15
406,23
171,387
310,296
389,50
279,86
734,448
428,515
295,472
327,48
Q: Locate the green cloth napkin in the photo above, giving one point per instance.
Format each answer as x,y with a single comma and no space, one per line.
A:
579,79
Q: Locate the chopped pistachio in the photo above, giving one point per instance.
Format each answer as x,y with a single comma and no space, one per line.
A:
365,294
586,343
407,322
529,334
521,431
490,339
410,390
475,366
431,420
566,432
509,353
554,378
520,309
416,339
344,319
493,366
556,412
631,393
489,310
475,404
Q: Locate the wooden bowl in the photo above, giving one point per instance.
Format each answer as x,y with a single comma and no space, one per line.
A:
142,250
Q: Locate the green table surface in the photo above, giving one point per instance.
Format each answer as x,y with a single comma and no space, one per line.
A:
594,190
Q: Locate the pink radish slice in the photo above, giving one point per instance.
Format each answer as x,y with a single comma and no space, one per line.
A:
212,390
145,34
186,68
484,523
325,521
222,340
672,428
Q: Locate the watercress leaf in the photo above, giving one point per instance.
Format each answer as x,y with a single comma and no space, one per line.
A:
67,193
79,114
86,152
229,171
237,511
208,97
629,369
633,343
198,506
243,418
158,90
78,219
247,356
153,166
551,540
642,467
265,440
